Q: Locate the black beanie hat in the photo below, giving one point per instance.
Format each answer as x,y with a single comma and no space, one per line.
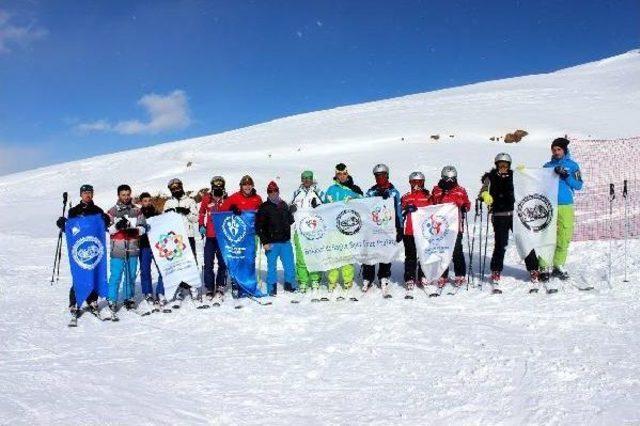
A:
561,142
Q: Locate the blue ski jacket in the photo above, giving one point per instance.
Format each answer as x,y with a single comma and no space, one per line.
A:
573,182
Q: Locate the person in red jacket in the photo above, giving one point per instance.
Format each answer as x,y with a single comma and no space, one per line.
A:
245,199
212,203
417,197
448,191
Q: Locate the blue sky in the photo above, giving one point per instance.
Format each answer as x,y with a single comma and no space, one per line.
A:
82,78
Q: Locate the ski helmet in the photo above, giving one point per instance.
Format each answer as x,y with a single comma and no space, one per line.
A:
449,172
503,156
218,181
173,182
416,176
86,188
380,168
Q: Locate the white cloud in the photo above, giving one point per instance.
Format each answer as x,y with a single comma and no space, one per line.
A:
166,113
14,35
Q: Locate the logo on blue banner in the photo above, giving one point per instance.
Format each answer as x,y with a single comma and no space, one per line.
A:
86,244
237,242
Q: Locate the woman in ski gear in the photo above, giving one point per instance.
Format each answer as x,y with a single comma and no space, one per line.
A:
146,256
417,197
342,189
570,181
498,195
273,227
307,196
182,204
246,199
127,224
85,207
215,283
385,189
448,191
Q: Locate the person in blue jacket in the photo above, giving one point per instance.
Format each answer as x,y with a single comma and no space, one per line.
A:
385,189
570,181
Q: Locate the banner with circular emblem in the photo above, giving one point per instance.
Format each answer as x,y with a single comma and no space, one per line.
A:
535,212
345,232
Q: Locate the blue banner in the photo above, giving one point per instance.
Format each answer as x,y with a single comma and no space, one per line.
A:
86,244
236,238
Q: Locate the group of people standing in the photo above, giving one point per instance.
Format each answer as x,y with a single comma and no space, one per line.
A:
127,226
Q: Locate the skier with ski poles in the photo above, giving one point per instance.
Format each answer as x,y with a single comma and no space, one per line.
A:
85,207
307,196
58,254
127,224
246,199
417,197
186,206
342,189
385,189
273,226
497,194
146,259
214,282
570,181
449,191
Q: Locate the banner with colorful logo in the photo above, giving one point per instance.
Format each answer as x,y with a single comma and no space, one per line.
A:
346,232
86,244
169,240
535,213
435,229
237,241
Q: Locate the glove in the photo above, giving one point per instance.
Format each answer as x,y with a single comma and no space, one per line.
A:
520,167
293,208
235,210
463,209
61,222
203,231
561,171
170,210
486,198
314,202
411,208
385,195
183,210
399,235
122,224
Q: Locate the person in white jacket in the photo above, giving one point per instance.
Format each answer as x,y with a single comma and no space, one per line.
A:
307,196
182,204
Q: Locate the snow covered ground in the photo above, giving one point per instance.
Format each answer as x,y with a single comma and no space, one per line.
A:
472,358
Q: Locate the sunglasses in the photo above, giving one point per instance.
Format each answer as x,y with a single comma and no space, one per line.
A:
342,173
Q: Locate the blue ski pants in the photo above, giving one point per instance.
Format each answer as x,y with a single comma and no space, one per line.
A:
117,270
146,282
284,251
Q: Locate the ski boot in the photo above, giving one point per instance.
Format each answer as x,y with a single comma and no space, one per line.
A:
534,277
384,287
495,282
544,276
113,309
409,286
366,285
288,287
560,273
129,304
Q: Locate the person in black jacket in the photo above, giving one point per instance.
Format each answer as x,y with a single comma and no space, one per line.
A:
84,208
498,194
146,257
273,226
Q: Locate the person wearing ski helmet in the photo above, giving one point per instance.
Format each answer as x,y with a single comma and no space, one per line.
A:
246,199
85,207
307,196
570,181
146,257
385,189
127,225
449,191
186,206
214,282
417,197
273,226
498,195
343,189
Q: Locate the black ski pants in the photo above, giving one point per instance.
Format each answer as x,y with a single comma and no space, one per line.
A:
502,225
369,271
411,259
93,296
459,263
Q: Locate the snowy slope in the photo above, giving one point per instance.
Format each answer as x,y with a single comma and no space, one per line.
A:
472,358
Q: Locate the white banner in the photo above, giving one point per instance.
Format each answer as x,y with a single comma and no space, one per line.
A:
169,241
355,231
535,213
435,229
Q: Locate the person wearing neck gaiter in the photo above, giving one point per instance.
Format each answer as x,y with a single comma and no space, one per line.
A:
385,189
273,227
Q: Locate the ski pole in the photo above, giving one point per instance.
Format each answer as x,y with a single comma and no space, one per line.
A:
465,223
486,243
480,246
57,255
612,196
626,229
